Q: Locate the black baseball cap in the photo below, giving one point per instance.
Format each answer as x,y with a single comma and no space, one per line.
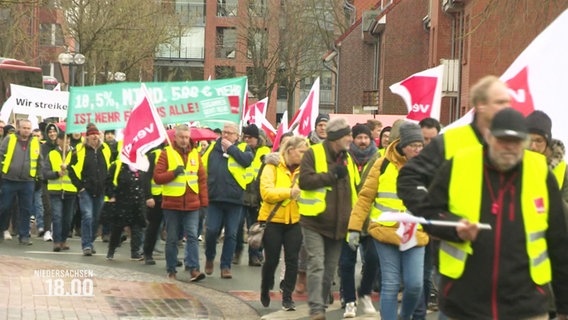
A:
509,123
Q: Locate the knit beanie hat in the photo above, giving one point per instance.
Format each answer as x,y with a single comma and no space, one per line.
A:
410,132
337,128
51,126
359,129
251,130
92,129
539,123
322,117
7,128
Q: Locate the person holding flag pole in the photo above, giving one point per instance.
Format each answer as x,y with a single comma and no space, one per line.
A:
61,191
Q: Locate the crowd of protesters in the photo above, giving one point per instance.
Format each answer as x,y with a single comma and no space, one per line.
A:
325,200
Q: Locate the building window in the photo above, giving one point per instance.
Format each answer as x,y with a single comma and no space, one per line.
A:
226,43
224,72
51,35
191,12
227,8
257,45
257,8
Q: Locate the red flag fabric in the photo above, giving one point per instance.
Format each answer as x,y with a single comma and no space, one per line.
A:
282,128
305,120
144,130
422,93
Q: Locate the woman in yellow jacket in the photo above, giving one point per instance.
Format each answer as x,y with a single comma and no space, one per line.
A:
278,184
400,248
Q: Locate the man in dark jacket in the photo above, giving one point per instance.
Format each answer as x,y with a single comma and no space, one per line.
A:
502,273
226,163
327,181
88,170
19,155
180,171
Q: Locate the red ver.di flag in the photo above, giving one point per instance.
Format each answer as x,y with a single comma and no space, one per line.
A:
144,130
422,93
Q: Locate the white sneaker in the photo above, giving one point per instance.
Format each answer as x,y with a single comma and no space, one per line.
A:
367,303
7,235
47,236
350,310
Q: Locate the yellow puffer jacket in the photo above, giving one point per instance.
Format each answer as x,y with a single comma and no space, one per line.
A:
367,196
275,186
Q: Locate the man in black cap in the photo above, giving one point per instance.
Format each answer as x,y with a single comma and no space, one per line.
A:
500,274
319,134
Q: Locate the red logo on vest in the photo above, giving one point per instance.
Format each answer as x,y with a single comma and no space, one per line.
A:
539,204
521,98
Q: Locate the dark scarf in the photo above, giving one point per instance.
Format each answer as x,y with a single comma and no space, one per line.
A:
361,157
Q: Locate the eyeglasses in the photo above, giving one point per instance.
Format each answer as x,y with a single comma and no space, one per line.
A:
416,146
228,132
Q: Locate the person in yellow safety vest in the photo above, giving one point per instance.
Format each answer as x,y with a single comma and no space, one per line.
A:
400,246
181,173
154,213
127,190
88,170
226,162
62,192
256,139
327,181
20,155
501,273
487,96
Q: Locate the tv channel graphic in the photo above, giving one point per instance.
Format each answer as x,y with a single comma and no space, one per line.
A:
65,282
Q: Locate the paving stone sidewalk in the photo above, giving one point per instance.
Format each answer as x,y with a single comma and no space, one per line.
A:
43,289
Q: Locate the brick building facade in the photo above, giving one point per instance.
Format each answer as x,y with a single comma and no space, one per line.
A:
482,37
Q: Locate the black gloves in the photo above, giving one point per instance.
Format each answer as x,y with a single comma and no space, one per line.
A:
179,170
340,171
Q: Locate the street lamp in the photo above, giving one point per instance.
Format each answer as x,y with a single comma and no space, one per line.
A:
71,59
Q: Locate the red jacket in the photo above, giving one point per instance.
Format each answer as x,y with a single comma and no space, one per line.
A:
190,201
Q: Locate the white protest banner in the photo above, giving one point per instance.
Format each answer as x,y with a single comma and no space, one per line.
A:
536,79
34,101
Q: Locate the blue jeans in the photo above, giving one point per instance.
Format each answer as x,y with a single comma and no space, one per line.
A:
62,215
37,209
347,261
25,191
90,210
219,214
186,222
397,266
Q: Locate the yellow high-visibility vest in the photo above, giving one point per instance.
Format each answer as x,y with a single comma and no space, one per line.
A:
465,192
236,170
78,167
386,199
176,187
560,172
34,154
156,189
252,170
61,183
312,202
458,139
